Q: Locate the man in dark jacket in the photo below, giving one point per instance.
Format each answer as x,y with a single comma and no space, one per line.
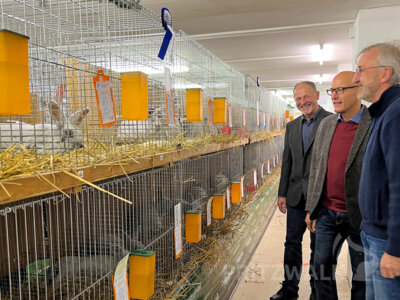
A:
378,73
299,140
332,198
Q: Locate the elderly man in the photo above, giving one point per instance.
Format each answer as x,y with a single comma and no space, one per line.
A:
299,140
378,73
332,198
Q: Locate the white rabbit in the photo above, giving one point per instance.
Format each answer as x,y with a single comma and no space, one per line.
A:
61,136
141,129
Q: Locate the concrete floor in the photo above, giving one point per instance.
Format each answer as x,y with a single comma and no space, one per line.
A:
265,270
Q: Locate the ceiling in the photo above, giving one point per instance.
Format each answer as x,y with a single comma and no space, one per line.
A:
275,40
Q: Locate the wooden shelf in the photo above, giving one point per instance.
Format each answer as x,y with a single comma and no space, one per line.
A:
260,139
31,186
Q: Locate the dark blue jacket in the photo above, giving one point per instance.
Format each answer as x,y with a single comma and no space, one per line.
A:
379,193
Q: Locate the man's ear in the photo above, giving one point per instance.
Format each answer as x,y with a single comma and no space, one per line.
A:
388,71
317,95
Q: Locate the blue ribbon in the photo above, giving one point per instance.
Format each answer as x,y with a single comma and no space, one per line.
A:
166,21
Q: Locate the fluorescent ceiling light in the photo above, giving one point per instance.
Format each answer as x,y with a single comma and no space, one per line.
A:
321,53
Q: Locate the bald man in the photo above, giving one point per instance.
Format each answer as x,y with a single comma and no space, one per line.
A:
332,197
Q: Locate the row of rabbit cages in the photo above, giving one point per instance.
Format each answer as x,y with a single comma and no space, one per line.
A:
68,245
84,85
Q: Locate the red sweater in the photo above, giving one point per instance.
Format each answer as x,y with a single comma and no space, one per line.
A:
338,153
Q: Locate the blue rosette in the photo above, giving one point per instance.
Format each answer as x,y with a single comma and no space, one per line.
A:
166,20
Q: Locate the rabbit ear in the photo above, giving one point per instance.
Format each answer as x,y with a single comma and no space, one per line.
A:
55,112
77,117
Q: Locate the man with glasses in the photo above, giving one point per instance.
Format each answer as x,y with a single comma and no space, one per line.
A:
299,140
332,198
378,74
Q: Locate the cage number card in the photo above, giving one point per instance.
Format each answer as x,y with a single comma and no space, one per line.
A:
230,121
178,230
255,176
242,185
105,102
228,198
262,170
209,206
264,120
120,283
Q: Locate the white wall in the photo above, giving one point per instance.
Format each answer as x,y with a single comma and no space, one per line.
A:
375,25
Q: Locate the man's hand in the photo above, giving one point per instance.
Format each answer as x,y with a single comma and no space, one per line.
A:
282,204
311,224
390,266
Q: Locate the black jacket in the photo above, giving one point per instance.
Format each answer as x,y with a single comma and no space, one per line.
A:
295,163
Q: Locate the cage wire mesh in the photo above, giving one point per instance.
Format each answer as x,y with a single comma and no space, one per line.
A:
59,247
219,172
236,164
71,40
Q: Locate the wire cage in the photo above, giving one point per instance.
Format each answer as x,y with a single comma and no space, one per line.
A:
70,41
218,165
67,245
59,247
236,164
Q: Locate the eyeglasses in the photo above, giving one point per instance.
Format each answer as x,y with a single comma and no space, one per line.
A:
359,69
339,90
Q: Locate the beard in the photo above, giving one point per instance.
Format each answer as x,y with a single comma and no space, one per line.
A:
368,90
306,109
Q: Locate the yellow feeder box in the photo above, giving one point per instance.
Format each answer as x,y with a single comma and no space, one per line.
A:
14,74
134,96
193,226
142,264
236,195
194,105
218,207
220,109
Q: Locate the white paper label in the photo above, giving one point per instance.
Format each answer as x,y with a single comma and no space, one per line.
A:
170,107
178,229
268,167
262,170
242,185
230,122
228,198
120,280
264,120
168,79
258,114
106,105
244,116
255,176
209,207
